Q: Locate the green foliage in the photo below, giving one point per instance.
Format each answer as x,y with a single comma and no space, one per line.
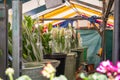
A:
94,76
9,39
46,43
30,39
24,77
50,27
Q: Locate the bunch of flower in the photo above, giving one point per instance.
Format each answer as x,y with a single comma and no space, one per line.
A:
58,39
105,71
49,72
112,72
68,38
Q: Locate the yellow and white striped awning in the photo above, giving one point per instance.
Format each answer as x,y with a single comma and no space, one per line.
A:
69,11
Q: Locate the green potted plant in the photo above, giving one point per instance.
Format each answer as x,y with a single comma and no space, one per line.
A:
32,52
33,45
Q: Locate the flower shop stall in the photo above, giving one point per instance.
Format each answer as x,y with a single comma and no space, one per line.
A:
59,30
54,19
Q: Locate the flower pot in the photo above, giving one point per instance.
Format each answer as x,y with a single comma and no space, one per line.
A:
62,58
33,69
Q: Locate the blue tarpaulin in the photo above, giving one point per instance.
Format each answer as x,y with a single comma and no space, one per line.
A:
92,40
65,23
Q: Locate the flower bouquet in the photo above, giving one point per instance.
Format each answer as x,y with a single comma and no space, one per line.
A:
105,71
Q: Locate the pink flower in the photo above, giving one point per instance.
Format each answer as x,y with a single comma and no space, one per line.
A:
118,67
106,66
101,69
117,77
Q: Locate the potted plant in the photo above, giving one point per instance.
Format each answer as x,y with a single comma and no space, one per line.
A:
32,52
51,46
33,45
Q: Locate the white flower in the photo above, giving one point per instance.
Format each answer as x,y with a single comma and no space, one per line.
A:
51,67
9,71
45,73
1,79
61,77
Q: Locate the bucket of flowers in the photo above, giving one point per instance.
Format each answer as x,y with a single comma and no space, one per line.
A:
105,71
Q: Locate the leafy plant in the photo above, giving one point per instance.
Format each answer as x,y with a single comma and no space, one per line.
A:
31,40
46,38
46,43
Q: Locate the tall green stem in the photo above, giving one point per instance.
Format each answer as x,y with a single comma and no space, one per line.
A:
10,76
52,76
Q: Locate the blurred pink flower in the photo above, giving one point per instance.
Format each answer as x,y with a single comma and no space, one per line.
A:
117,77
106,66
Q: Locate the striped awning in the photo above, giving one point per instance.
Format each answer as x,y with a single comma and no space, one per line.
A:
69,11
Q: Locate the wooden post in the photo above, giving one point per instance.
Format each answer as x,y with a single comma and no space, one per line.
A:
116,33
3,40
16,36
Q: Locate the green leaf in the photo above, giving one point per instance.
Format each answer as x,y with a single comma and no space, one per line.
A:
24,77
82,75
50,27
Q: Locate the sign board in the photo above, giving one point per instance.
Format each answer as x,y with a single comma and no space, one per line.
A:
53,3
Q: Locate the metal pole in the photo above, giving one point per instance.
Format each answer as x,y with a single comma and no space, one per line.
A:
116,33
49,19
16,36
109,8
103,32
3,41
106,13
97,29
75,18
